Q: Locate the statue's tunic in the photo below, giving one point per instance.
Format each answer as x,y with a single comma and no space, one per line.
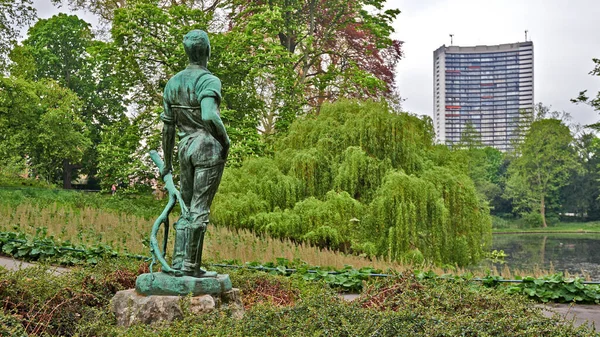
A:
182,98
200,154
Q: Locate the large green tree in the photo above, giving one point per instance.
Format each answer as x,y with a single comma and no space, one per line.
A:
291,55
14,14
357,178
63,48
580,195
40,126
105,9
338,48
544,162
148,38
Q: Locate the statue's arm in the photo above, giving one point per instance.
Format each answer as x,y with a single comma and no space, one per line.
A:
168,139
210,114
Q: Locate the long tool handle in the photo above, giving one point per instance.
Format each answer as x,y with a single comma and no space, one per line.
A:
174,196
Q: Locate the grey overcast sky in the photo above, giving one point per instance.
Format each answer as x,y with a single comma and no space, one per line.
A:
565,34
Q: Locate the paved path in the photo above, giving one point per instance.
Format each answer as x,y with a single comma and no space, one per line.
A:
581,313
12,264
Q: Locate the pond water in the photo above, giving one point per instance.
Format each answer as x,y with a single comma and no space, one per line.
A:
575,253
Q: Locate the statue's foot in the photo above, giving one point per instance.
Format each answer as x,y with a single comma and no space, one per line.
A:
204,273
174,272
198,273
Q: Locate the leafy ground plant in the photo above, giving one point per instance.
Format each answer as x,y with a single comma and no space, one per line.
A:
76,303
549,288
43,248
557,288
552,288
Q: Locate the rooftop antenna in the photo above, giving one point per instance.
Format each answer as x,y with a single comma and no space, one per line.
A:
451,39
526,31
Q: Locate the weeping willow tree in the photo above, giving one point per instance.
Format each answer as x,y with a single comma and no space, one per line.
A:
360,174
357,178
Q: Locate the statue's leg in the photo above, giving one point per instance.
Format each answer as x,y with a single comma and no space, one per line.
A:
186,178
206,183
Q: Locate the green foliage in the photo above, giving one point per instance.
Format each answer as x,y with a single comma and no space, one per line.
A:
469,222
276,306
545,161
357,178
56,46
346,279
470,138
257,186
401,138
10,326
485,165
580,195
324,223
118,156
549,288
147,63
434,214
356,163
12,180
557,288
43,248
62,49
47,249
14,15
343,51
44,303
40,125
592,101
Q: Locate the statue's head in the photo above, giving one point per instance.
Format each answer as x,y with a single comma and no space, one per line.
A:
197,46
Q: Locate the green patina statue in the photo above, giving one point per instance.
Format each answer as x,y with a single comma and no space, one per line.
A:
191,107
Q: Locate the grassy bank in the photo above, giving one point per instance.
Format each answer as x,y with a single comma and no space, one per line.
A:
124,223
94,219
517,226
275,306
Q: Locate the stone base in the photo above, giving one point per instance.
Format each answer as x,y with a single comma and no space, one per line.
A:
165,284
131,307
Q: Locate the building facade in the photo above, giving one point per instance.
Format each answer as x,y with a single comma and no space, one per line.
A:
489,87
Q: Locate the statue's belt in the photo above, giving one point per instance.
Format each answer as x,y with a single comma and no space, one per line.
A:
185,107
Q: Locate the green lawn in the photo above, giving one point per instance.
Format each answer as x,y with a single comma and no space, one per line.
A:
573,227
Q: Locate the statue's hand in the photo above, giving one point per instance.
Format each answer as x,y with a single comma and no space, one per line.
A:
165,171
226,144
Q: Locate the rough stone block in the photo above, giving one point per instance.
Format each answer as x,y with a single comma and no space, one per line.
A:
130,307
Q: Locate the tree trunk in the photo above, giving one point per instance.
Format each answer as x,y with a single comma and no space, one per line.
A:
67,174
543,213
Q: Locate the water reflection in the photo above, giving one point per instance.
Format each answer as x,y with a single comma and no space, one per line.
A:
575,253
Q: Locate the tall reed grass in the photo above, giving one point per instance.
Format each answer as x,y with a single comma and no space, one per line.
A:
129,234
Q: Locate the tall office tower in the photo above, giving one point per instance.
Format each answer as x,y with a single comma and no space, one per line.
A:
490,87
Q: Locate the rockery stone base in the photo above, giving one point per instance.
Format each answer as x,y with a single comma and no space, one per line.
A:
131,307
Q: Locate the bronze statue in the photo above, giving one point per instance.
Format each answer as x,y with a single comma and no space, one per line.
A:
191,107
191,104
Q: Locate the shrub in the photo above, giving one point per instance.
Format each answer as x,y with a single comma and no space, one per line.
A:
357,178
